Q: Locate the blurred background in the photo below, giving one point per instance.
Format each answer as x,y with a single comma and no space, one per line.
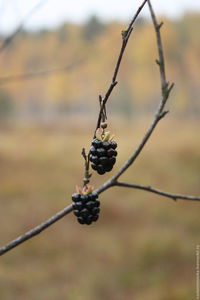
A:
55,59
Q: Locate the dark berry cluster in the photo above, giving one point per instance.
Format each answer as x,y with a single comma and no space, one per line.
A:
86,208
103,155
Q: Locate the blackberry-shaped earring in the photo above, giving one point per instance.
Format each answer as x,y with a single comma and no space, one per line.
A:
86,205
103,151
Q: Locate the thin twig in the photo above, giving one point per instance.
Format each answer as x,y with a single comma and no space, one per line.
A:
125,37
19,28
41,73
157,191
160,61
87,174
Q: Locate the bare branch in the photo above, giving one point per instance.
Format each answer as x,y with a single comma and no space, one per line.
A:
157,191
41,73
35,231
166,89
10,38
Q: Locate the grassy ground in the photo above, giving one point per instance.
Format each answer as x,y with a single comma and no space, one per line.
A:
142,247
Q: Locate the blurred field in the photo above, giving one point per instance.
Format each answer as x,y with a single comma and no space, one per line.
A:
143,246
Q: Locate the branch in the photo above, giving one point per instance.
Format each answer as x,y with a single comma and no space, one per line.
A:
41,73
125,37
10,38
35,231
166,89
157,191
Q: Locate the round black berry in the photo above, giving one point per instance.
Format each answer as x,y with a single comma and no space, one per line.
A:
78,205
94,166
93,196
97,203
93,150
113,144
89,220
103,160
100,169
100,151
106,145
95,218
90,204
75,197
95,211
84,198
80,220
77,212
108,168
84,213
96,143
112,160
111,152
94,159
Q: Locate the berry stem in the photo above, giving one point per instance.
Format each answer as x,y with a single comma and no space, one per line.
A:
87,175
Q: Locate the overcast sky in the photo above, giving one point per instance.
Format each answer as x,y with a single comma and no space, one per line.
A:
53,12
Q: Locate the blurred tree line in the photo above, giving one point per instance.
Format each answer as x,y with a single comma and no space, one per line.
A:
76,90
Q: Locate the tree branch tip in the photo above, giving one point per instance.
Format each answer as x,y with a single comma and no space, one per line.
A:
83,153
126,36
171,86
166,86
160,25
124,33
167,89
163,114
158,62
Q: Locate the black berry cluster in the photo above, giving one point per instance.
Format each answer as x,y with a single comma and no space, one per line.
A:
86,208
103,155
